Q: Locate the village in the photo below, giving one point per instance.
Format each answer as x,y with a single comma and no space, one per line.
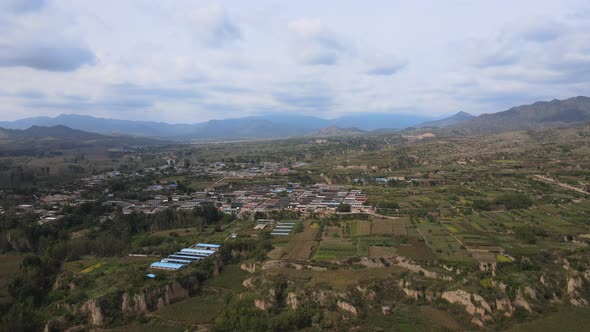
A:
159,194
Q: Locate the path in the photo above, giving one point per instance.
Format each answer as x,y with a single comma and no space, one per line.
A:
561,184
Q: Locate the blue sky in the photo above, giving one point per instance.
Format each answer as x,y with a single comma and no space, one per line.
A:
190,61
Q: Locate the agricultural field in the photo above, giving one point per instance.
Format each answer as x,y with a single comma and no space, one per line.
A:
302,245
455,214
197,310
107,274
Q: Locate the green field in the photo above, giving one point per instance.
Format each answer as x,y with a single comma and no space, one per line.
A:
230,278
195,310
571,319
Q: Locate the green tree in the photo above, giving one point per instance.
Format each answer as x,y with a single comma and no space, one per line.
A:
343,207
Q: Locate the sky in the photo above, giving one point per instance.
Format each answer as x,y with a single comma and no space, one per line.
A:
191,61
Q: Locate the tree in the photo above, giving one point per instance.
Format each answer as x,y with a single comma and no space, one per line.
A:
480,204
343,207
514,201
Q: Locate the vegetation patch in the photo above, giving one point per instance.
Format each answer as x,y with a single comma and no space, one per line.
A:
92,267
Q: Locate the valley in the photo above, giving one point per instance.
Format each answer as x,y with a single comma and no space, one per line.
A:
446,232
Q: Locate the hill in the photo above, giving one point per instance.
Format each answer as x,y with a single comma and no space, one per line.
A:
539,115
56,132
459,117
40,139
337,131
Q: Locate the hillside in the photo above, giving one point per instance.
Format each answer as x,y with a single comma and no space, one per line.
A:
40,139
337,131
539,115
459,117
55,132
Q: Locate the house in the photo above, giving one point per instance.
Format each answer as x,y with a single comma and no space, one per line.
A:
25,207
382,180
260,226
207,246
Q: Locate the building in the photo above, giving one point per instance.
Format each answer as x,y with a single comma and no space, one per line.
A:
207,246
283,229
167,266
186,256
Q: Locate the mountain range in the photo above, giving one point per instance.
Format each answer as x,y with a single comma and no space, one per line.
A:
539,115
527,117
267,126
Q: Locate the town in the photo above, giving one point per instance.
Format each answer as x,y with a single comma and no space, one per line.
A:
317,199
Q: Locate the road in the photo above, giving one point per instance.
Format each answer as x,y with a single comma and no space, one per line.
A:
563,185
369,213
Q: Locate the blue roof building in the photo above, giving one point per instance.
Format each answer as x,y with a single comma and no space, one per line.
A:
208,246
186,256
198,251
167,266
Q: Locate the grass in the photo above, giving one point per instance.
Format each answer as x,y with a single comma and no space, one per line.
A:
452,229
336,279
230,278
104,275
486,283
335,251
376,241
9,264
301,245
571,319
503,259
194,310
92,267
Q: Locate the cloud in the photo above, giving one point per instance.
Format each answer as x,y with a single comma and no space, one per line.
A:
541,31
214,27
537,52
153,92
517,42
496,58
317,56
313,44
110,104
30,94
309,96
229,89
308,101
386,65
45,56
119,97
21,6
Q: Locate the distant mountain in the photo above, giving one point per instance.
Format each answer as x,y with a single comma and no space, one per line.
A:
536,116
337,131
452,120
55,132
539,115
103,126
378,121
40,139
264,126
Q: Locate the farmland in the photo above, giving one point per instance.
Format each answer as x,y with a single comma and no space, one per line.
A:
451,219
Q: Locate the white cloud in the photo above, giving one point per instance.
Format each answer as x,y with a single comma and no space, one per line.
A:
214,27
314,44
192,61
386,64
